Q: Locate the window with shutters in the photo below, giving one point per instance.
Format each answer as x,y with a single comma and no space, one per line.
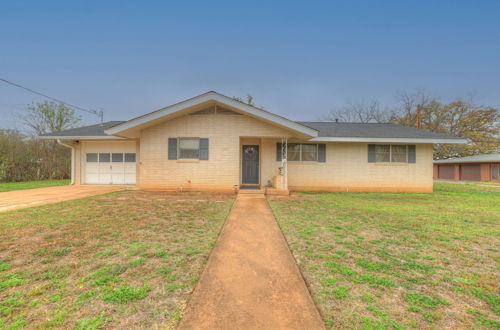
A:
391,153
302,152
189,148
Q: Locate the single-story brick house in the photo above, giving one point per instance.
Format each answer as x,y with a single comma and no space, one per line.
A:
214,142
484,167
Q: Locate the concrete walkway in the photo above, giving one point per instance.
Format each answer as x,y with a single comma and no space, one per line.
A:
251,280
17,199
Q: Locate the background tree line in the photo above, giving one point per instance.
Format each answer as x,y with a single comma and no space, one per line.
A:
23,157
478,123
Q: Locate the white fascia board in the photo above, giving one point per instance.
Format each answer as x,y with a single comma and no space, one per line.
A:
80,137
461,161
212,96
456,161
385,140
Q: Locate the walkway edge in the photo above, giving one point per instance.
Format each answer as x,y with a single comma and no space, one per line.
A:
208,260
306,282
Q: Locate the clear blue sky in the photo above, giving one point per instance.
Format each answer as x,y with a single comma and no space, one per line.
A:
297,58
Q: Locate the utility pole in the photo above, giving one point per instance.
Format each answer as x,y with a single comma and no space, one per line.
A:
417,116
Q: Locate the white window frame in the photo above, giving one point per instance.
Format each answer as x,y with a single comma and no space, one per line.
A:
300,152
390,153
111,157
179,148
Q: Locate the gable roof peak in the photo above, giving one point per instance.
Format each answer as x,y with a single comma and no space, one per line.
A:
171,110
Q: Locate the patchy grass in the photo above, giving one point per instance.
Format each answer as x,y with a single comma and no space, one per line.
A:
395,260
495,183
122,260
10,186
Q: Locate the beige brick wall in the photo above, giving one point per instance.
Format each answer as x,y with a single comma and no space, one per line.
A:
221,171
346,167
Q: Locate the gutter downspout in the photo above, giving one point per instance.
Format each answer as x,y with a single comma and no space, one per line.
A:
72,159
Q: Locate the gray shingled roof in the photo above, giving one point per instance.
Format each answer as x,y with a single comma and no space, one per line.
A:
325,129
471,159
372,130
92,130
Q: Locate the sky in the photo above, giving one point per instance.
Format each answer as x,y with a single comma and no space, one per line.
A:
298,59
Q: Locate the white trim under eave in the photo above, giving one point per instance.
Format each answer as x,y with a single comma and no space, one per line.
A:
107,137
212,96
385,140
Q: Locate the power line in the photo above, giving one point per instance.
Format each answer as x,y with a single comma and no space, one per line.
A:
94,112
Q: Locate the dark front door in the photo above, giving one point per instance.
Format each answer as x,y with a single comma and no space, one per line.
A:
250,165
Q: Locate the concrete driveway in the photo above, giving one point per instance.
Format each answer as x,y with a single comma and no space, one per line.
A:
17,199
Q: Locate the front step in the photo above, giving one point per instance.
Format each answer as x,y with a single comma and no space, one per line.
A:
258,191
264,191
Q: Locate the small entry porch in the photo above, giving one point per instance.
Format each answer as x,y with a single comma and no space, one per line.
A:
261,170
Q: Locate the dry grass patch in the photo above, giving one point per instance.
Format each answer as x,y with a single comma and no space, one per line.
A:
388,260
124,260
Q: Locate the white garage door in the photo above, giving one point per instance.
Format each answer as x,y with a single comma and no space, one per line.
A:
109,163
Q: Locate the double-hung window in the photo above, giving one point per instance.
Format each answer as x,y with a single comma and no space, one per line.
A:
188,148
391,153
303,152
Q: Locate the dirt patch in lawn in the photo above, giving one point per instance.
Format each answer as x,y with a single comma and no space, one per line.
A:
125,260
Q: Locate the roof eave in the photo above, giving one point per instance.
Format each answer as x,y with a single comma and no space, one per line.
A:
388,140
464,161
213,96
80,137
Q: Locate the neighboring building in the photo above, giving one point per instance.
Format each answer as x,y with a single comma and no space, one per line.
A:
473,168
214,142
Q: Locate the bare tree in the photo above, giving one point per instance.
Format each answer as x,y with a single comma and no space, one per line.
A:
407,104
29,158
46,117
479,124
359,112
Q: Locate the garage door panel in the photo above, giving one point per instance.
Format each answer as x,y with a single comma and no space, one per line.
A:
129,168
92,178
105,178
118,167
470,172
118,178
92,168
105,168
107,163
446,172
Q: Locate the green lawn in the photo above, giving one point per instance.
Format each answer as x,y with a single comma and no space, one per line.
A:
10,186
122,260
395,260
